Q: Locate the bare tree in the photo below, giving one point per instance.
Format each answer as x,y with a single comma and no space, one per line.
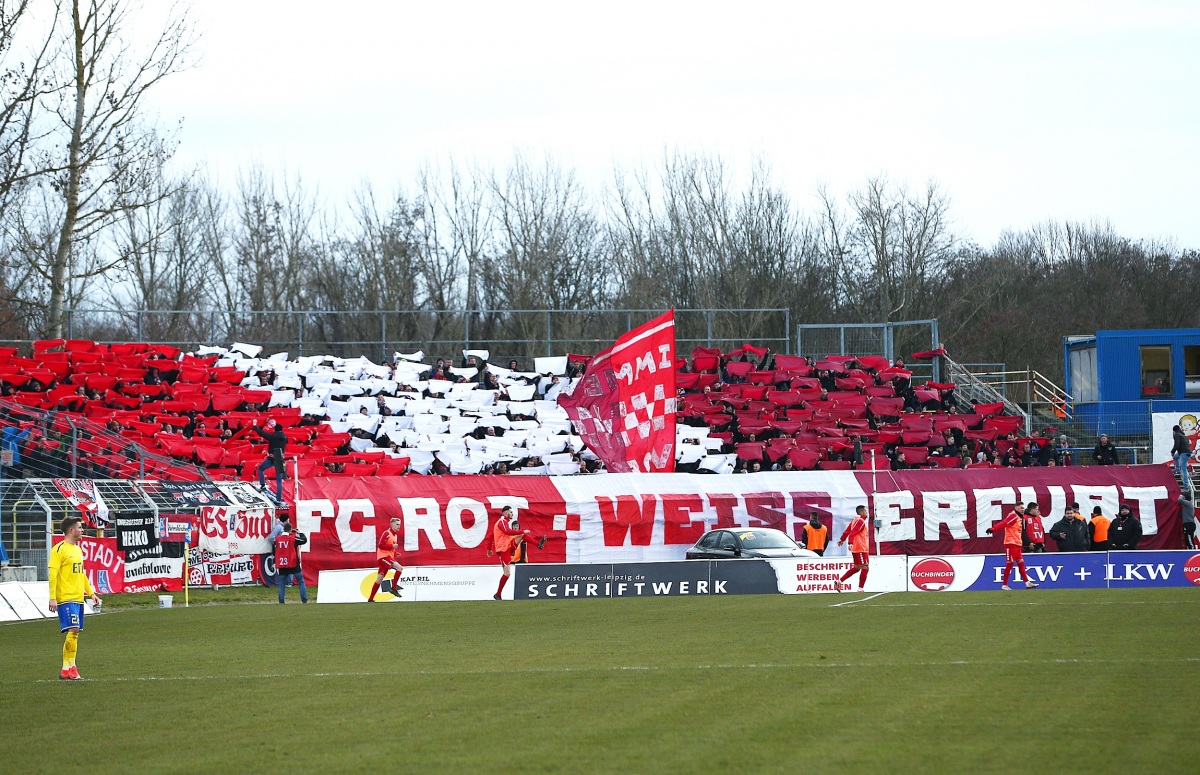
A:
164,264
550,250
110,155
22,84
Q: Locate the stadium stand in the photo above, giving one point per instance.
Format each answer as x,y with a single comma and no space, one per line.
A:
132,410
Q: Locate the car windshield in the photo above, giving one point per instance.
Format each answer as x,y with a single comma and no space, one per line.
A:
765,539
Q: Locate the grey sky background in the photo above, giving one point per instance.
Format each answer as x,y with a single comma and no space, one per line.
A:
1022,111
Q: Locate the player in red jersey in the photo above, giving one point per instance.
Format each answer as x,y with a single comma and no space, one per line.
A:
859,536
1012,524
508,542
387,553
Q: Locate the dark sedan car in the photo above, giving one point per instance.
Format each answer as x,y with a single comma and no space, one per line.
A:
735,542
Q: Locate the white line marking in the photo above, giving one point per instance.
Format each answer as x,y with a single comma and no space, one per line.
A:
860,600
621,669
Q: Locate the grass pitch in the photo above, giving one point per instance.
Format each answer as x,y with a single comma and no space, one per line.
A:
1045,681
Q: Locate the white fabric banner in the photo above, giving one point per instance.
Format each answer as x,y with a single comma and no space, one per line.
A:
248,534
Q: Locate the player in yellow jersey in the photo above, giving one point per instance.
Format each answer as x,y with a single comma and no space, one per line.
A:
69,586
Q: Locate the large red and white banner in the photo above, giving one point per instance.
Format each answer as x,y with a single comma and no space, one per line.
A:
947,512
624,407
642,517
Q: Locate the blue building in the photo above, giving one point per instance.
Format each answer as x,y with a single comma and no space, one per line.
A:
1118,378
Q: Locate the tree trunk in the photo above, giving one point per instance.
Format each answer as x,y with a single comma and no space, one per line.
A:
66,235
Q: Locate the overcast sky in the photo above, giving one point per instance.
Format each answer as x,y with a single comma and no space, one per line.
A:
1023,111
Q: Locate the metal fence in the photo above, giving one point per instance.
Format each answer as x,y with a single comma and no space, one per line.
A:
377,334
891,340
1128,424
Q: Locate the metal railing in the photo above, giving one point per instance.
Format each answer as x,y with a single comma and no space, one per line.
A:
379,333
74,447
1034,390
971,386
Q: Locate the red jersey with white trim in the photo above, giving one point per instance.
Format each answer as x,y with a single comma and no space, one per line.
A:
856,532
389,546
1011,525
1035,529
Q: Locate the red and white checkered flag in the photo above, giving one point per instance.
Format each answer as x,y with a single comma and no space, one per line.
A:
624,406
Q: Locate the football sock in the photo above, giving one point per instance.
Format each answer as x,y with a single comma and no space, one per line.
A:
70,648
1024,575
374,589
849,573
1008,572
503,581
396,581
862,579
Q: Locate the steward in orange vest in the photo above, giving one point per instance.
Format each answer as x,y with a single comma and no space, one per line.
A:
816,535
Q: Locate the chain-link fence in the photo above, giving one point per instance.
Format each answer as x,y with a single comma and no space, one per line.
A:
377,334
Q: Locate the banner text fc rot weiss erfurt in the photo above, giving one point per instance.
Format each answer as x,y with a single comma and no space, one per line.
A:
645,517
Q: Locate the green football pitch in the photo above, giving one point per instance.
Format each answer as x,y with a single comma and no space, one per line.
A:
1039,681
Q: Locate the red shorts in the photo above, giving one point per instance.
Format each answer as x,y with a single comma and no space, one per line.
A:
860,558
386,565
1012,553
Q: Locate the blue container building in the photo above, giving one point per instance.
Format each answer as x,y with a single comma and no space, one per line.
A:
1118,378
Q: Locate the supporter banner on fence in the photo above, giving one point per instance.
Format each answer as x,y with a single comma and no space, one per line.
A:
234,531
136,530
421,584
82,494
185,494
245,494
624,406
175,528
1162,440
207,568
103,563
959,573
655,517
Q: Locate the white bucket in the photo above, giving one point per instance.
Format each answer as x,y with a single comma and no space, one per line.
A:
164,601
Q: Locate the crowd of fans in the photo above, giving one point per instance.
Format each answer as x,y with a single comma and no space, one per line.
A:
745,410
782,412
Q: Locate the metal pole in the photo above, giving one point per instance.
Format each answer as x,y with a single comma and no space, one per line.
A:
75,449
787,330
300,332
937,362
383,337
70,324
1028,405
549,349
139,325
467,327
842,340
